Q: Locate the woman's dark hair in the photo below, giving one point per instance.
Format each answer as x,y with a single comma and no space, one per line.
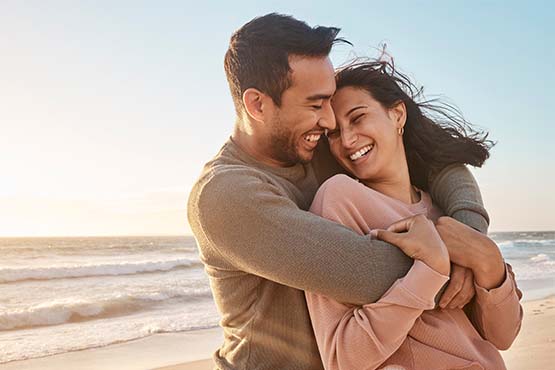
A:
258,53
436,134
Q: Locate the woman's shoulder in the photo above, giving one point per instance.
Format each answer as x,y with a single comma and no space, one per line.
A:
341,189
339,180
345,186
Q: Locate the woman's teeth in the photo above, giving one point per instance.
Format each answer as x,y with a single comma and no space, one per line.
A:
361,152
312,137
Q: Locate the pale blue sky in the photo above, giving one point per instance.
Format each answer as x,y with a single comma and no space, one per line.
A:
109,109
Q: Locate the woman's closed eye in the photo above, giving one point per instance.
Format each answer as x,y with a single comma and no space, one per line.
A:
357,118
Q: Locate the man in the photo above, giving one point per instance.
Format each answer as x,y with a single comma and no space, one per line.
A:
260,247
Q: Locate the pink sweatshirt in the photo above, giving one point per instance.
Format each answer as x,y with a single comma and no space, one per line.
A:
403,330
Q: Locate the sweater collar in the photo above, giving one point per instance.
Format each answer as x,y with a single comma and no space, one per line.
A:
293,173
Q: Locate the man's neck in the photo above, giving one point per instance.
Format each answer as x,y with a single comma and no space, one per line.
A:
246,142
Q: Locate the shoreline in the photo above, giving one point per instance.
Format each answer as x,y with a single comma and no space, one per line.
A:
151,352
192,350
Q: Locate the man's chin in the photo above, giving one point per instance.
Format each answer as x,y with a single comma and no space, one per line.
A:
306,157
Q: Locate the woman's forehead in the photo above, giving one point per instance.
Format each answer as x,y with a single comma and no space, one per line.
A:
348,97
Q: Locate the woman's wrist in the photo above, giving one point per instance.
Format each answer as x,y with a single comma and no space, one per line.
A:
440,263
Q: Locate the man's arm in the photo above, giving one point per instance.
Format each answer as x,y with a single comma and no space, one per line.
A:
261,231
248,222
456,192
453,189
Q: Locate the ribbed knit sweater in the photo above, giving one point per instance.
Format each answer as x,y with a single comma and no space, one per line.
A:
262,248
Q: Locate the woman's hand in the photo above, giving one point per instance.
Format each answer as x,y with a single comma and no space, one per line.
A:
418,238
474,250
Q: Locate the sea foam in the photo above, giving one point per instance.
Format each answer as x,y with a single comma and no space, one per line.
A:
102,269
68,310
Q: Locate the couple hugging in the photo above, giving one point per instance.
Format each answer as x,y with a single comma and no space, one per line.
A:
338,225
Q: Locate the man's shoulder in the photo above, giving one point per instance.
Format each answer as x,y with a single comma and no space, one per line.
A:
223,188
224,174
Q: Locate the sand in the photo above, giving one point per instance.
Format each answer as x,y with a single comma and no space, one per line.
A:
534,349
152,352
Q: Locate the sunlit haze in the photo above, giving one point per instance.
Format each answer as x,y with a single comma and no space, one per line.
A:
108,110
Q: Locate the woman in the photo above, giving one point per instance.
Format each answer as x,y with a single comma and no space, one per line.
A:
383,139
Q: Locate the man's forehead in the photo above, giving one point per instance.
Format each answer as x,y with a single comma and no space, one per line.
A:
312,76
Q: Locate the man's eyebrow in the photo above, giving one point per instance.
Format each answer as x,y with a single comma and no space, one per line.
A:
319,97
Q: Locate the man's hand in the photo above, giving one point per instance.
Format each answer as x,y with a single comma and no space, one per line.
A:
474,250
460,290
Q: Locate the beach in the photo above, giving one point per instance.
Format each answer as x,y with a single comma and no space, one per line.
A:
145,303
153,352
534,349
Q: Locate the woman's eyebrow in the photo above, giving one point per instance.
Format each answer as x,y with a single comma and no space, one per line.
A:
355,108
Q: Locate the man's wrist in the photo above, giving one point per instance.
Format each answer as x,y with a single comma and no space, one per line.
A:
489,273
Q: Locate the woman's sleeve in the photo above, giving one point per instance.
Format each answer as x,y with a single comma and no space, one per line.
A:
496,313
363,337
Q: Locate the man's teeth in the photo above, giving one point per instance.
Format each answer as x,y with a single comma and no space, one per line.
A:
361,152
312,137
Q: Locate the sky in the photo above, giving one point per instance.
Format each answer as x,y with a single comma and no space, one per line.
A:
109,109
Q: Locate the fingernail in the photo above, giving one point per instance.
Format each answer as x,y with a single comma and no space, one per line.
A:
374,233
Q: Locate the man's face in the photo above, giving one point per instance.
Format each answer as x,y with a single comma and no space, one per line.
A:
305,112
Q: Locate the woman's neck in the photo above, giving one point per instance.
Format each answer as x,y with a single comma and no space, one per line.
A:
397,187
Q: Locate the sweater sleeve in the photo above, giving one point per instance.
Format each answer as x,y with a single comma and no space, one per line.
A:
456,192
363,337
256,228
496,313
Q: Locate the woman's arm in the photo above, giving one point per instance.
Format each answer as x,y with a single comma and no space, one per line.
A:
356,337
495,312
363,337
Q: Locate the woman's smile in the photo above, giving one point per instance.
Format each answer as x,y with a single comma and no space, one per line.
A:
360,154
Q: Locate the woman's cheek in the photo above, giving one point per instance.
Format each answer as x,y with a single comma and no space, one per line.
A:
336,150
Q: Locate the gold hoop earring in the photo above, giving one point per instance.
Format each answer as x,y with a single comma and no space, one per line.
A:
401,131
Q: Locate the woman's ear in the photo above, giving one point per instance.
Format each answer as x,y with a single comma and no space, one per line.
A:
255,103
399,112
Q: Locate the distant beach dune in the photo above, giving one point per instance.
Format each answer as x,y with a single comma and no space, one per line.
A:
534,349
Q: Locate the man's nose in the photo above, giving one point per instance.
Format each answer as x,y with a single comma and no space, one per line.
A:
327,120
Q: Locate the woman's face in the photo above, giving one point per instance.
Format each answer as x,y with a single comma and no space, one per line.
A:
366,141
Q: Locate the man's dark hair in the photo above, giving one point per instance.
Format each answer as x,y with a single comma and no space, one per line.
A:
258,54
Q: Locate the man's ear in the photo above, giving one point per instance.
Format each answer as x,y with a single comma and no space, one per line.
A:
256,104
399,112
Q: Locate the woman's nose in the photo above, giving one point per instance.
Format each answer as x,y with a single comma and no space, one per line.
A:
348,138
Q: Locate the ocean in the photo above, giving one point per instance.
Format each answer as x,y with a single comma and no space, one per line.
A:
65,294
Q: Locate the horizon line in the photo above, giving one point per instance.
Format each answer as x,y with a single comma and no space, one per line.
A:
191,235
